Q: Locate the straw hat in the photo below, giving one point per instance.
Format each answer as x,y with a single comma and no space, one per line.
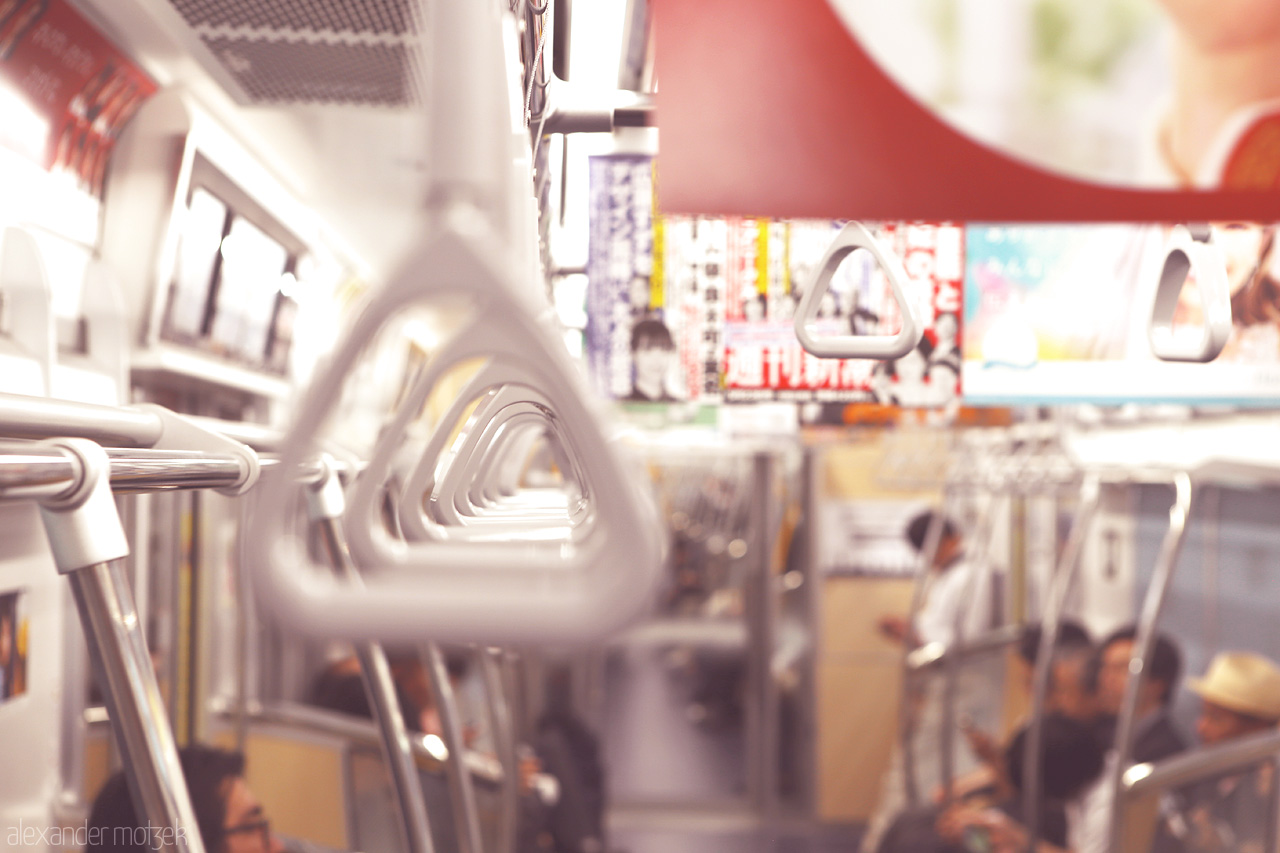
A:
1242,682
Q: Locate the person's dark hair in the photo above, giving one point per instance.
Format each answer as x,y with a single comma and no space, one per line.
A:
1072,757
918,528
1164,666
114,826
1071,637
651,333
345,693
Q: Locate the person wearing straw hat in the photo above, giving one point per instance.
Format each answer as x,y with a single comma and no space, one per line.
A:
1240,696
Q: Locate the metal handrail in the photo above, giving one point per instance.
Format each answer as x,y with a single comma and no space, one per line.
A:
429,755
1205,763
932,655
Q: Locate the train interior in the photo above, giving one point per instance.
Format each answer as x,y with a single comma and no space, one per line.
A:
364,414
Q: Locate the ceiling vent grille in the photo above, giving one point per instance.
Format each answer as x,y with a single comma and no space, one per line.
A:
356,52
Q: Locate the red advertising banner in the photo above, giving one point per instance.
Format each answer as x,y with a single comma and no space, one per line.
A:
65,90
861,109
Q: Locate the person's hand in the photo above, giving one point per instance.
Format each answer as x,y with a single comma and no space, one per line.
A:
530,767
893,626
1003,834
984,746
966,785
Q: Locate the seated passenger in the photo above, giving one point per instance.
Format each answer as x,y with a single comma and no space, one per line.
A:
228,816
1072,759
1071,693
1155,737
1240,696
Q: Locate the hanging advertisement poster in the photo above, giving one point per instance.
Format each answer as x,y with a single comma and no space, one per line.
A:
763,360
1061,314
66,92
950,110
647,327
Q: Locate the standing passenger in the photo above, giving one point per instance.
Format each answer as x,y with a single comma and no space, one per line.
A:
958,604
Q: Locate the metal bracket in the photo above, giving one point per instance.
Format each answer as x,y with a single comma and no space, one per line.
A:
179,433
83,523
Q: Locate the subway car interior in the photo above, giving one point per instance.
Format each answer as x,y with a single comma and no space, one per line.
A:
619,426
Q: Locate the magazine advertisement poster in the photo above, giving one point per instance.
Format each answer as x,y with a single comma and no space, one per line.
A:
1061,314
763,360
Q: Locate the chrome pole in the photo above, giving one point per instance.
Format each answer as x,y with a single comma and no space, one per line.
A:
908,687
502,723
466,814
122,666
1063,582
1144,642
381,690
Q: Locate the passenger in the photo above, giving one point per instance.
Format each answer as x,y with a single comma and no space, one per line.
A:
1072,758
571,752
951,595
958,595
228,816
1070,693
1155,737
1240,696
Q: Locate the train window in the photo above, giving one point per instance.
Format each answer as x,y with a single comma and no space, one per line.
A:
250,275
202,235
235,280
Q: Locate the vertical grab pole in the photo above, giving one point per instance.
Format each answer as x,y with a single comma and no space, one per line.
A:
906,701
504,742
1170,548
86,538
466,815
954,660
1063,582
325,504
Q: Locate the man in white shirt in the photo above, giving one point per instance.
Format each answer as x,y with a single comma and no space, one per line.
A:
958,605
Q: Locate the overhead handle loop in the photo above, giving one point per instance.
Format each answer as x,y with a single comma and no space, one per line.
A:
1196,255
852,237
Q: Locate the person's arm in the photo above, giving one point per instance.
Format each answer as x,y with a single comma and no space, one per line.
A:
1003,833
976,780
897,628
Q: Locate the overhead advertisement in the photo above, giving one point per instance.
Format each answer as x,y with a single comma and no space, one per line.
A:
684,308
950,110
1062,314
66,92
763,360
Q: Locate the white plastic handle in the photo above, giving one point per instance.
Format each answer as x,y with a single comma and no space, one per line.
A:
852,237
511,435
528,591
452,503
419,493
1189,254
